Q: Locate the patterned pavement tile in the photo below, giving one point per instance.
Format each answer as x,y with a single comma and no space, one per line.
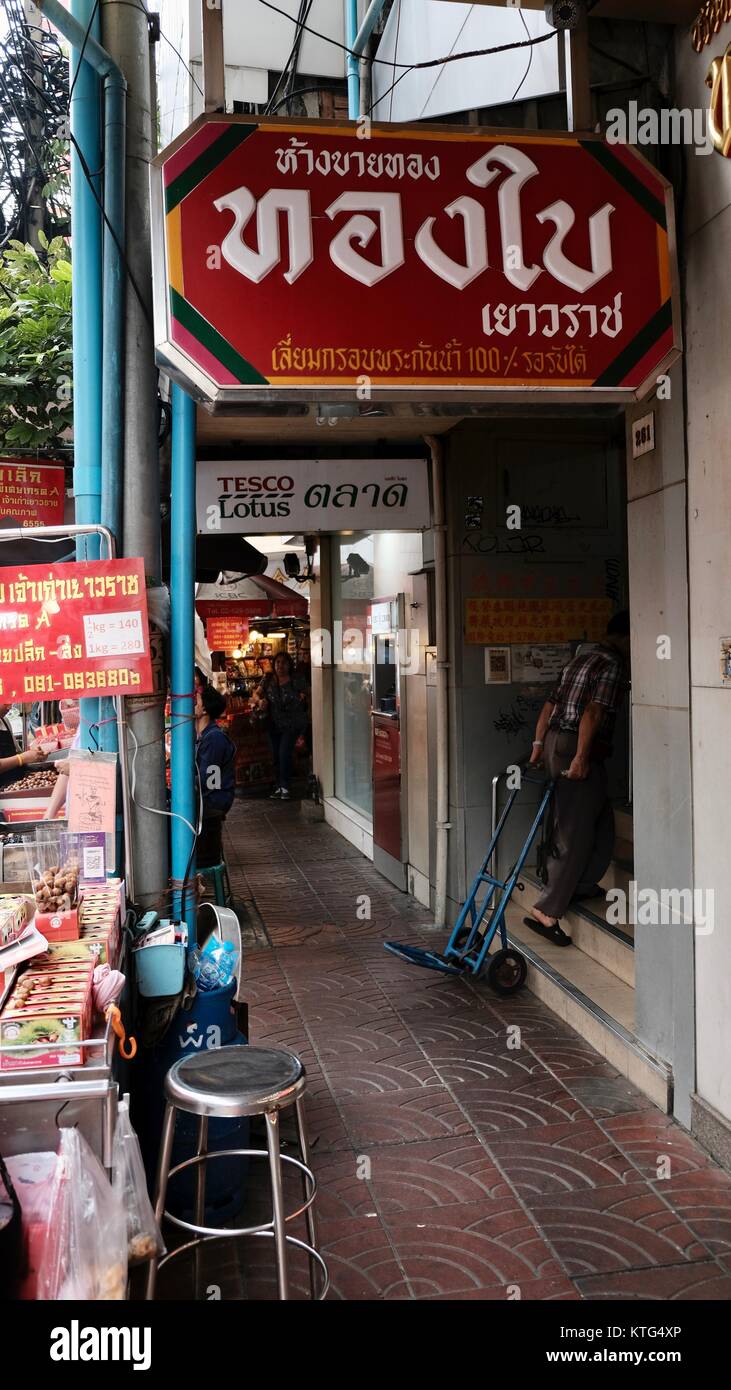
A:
440,1172
571,1057
603,1096
450,1163
340,974
370,1042
561,1158
517,1105
436,998
702,1280
402,1117
344,1010
405,1069
558,1290
341,1193
490,1061
469,1247
703,1200
605,1228
361,1261
461,1030
657,1145
317,933
272,1020
325,1127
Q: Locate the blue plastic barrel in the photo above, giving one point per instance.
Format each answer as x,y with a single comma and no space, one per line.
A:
209,1023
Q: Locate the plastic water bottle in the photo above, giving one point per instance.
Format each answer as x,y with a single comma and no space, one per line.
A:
224,959
213,966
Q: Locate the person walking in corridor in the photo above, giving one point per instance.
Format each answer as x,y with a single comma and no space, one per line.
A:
573,740
282,694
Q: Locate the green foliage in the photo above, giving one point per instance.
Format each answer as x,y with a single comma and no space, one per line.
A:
35,347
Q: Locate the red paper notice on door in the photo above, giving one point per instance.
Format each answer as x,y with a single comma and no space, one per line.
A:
92,795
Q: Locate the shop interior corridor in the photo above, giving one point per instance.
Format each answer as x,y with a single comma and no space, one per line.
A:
465,1147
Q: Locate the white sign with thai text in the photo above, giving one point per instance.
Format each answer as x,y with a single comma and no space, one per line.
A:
312,495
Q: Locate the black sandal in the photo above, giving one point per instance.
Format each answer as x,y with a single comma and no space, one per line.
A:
554,933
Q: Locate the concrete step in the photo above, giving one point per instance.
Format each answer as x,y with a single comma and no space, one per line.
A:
594,1001
610,947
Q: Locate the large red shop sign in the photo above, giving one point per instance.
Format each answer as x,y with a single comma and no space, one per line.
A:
73,630
304,259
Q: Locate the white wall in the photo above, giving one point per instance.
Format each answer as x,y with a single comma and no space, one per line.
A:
418,30
256,41
708,311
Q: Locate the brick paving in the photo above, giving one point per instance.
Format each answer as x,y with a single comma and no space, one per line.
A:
451,1164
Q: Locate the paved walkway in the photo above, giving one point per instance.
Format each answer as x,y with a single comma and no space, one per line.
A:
466,1147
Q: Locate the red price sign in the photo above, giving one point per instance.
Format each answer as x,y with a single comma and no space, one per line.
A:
74,630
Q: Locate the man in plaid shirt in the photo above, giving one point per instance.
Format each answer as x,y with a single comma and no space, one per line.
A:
573,740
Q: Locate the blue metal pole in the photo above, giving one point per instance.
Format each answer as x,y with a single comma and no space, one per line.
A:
98,381
351,29
370,20
356,40
86,308
182,641
86,288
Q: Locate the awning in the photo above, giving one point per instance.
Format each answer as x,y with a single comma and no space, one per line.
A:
256,596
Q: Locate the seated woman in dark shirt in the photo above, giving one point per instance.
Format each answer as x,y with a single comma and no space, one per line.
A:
215,756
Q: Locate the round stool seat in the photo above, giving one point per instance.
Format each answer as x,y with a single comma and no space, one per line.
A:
236,1081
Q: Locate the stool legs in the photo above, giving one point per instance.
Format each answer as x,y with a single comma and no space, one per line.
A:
275,1169
200,1192
310,1213
163,1168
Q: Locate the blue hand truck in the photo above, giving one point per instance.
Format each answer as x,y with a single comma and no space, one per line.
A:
479,920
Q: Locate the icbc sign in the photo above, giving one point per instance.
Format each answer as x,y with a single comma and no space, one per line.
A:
73,630
295,259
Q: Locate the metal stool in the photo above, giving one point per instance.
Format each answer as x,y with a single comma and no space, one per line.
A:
233,1082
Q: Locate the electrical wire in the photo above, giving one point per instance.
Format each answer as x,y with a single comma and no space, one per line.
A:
304,91
530,58
132,5
395,54
90,180
92,17
427,63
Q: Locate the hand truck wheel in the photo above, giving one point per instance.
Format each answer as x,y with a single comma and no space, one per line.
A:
507,971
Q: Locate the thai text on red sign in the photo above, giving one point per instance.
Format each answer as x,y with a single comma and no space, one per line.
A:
73,630
226,634
31,493
303,255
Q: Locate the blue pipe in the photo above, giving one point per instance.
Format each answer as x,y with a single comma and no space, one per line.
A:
182,641
351,29
98,400
106,498
86,288
370,19
356,40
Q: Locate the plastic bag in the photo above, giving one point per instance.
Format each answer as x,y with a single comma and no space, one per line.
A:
144,1240
86,1250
